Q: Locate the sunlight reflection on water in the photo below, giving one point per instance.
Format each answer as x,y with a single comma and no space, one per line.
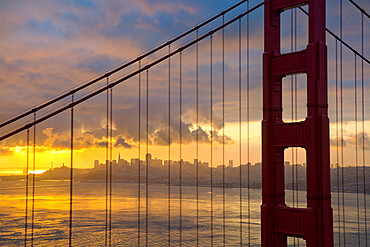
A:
52,215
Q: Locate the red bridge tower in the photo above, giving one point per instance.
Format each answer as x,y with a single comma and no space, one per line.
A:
315,222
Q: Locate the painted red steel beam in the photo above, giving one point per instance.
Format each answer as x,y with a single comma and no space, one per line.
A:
287,4
314,223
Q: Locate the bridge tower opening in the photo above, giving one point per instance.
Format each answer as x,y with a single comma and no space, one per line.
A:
314,223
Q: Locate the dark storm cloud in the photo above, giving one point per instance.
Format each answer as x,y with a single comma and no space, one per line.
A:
121,142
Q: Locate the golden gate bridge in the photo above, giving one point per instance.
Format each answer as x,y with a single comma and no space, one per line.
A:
309,223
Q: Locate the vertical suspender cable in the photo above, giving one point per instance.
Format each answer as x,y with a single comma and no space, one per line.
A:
33,180
110,167
139,163
356,160
147,162
341,119
106,166
197,142
248,118
363,123
211,118
223,137
169,147
71,177
180,167
27,177
240,138
337,142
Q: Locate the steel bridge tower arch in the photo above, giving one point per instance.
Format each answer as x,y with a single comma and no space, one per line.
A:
315,222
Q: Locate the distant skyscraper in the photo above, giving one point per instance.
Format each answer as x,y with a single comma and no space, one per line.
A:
135,162
231,163
96,163
156,162
148,157
167,162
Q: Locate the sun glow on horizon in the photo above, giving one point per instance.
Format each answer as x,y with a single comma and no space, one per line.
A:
36,172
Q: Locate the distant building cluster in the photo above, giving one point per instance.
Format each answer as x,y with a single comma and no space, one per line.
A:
198,172
151,162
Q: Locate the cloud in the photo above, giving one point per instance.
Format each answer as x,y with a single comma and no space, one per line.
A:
50,47
350,141
99,63
121,142
188,135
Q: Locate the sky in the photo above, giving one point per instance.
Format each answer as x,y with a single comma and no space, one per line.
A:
50,47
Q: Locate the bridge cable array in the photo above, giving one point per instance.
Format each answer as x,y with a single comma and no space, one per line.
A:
109,140
107,74
110,143
109,147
